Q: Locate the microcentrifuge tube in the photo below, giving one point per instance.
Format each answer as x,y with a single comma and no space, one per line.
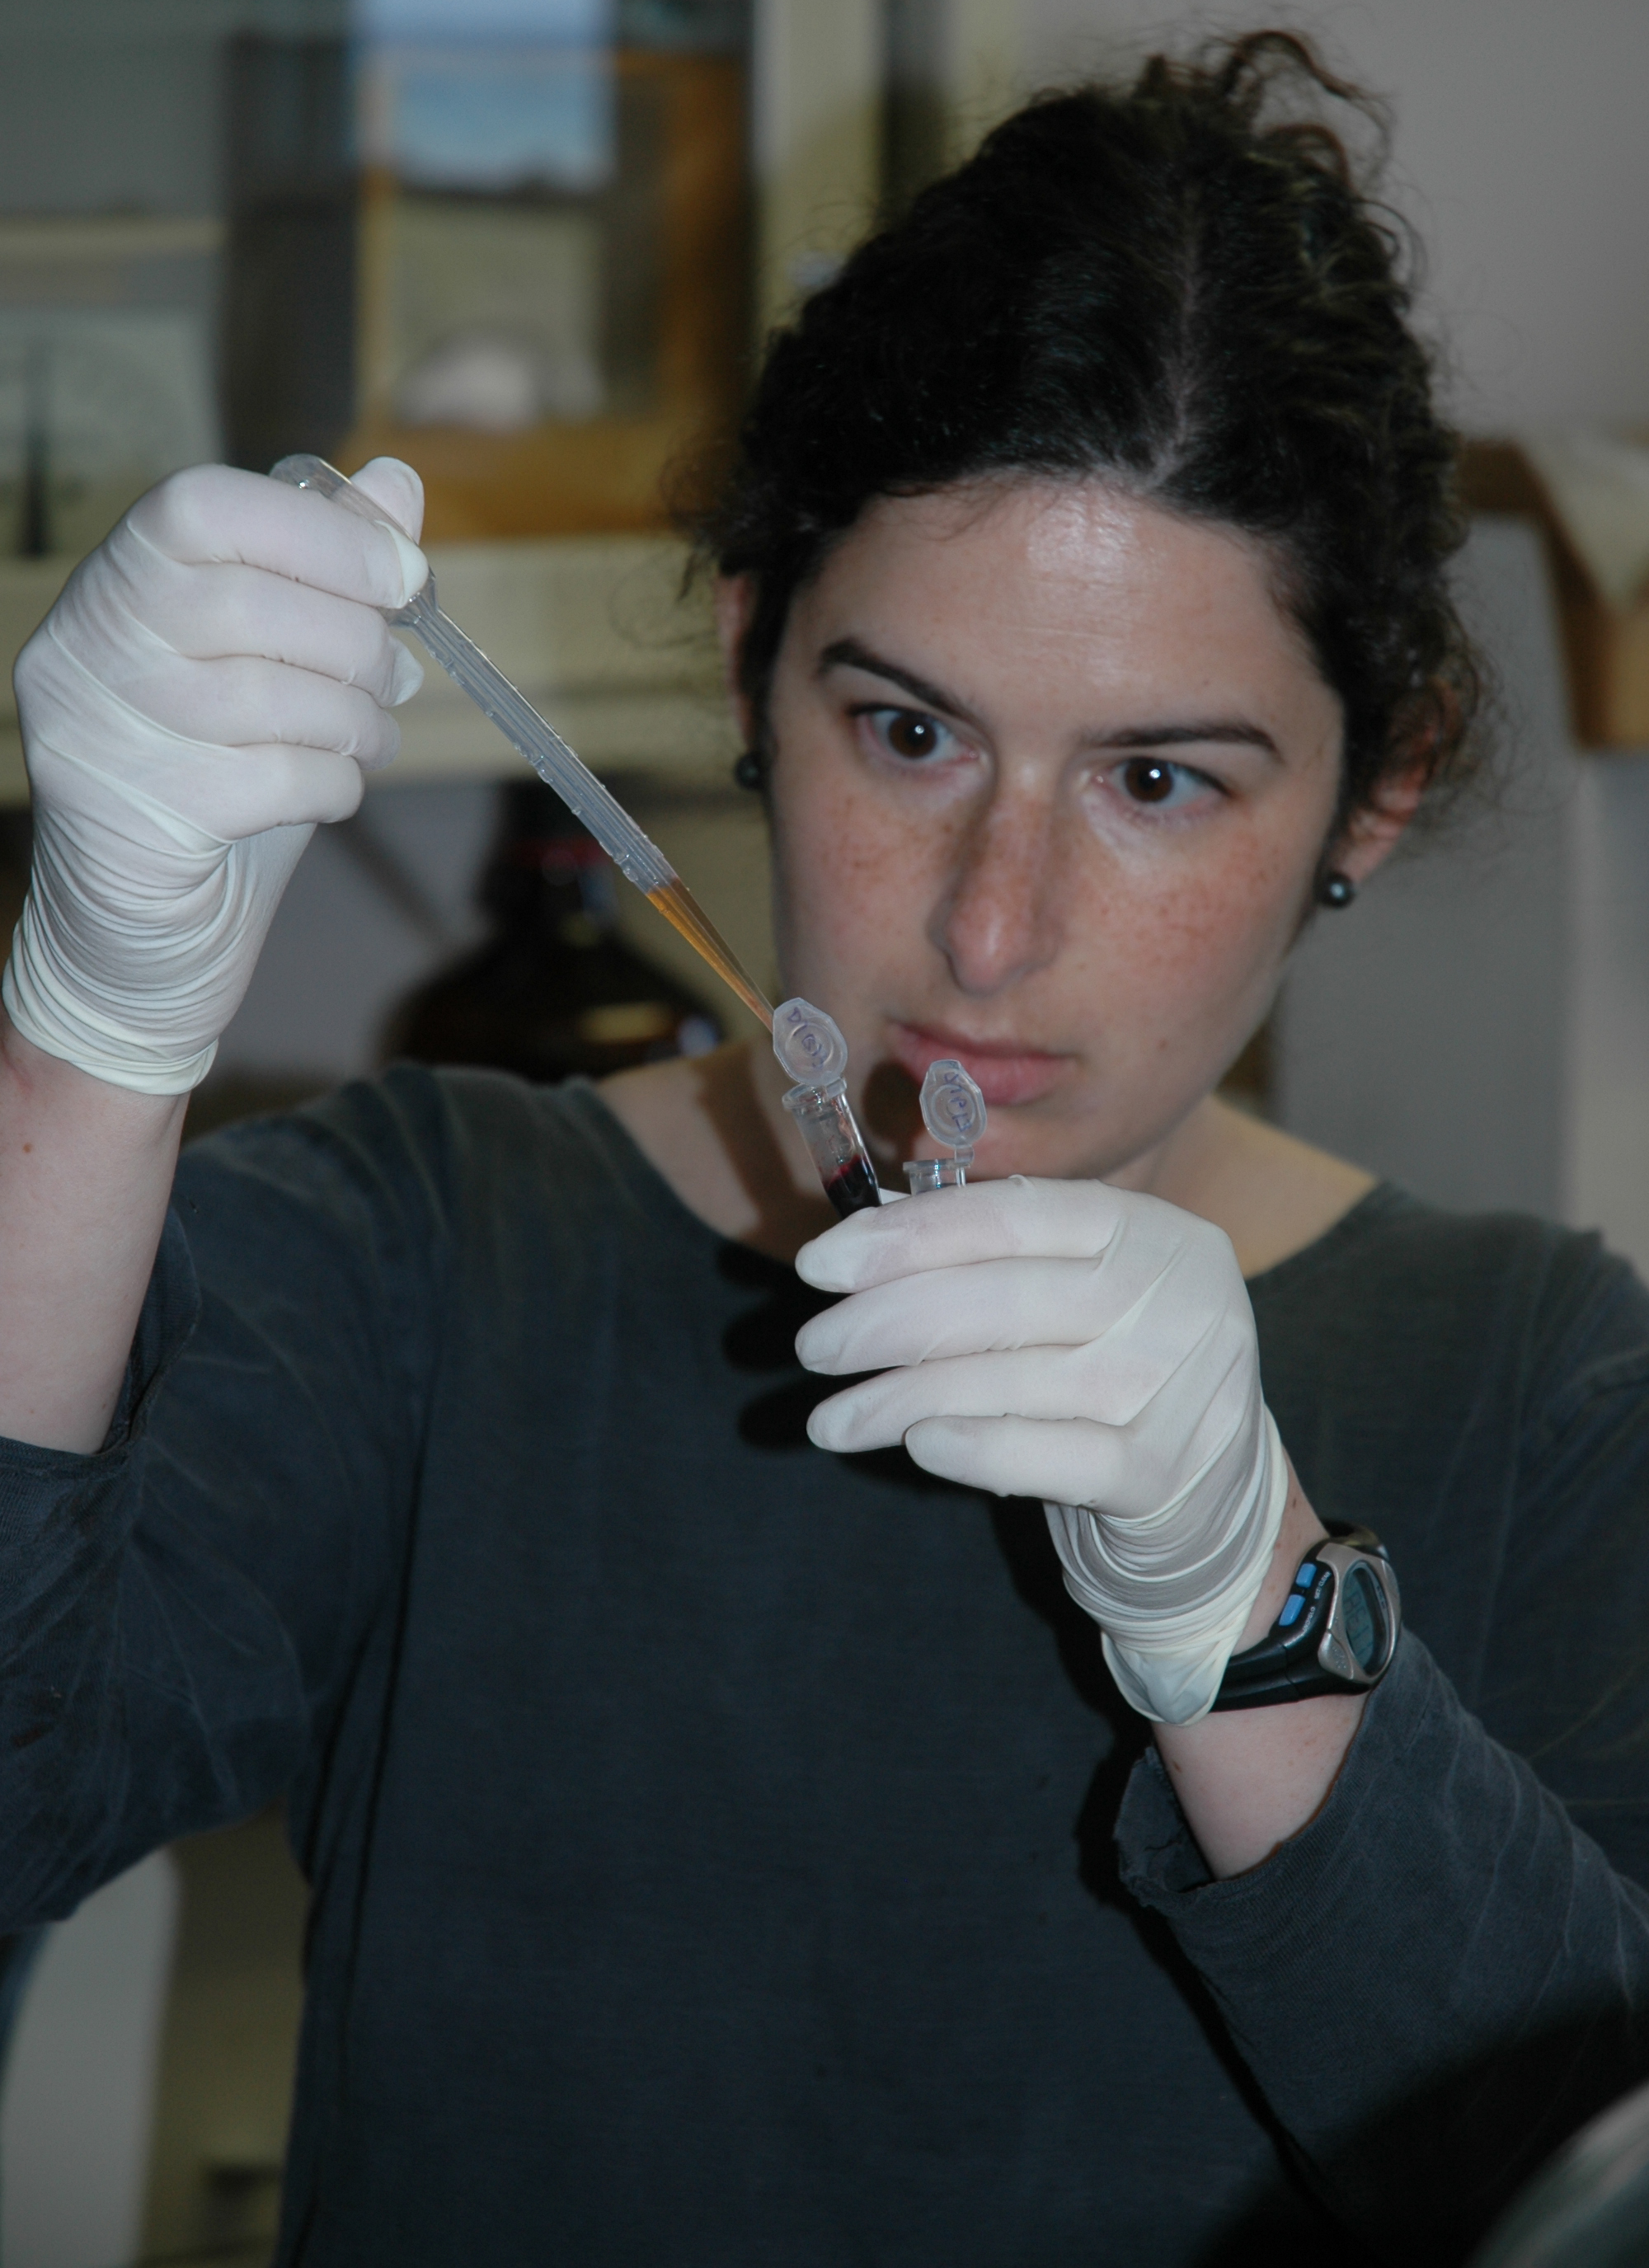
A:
954,1112
814,1053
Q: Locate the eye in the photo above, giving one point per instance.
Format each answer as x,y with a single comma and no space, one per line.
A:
909,735
1162,786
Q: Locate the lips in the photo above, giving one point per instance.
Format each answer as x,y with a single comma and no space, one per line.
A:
1005,1073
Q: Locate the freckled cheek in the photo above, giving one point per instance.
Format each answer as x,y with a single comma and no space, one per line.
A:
854,882
1188,946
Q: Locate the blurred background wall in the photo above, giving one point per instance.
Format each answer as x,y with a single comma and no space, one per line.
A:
248,226
1517,152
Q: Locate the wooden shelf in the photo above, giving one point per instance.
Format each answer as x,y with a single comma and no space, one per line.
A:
590,628
1606,649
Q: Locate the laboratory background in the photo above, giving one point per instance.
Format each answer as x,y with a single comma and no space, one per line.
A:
530,245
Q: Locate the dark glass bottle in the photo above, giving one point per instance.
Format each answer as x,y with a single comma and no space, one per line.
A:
553,989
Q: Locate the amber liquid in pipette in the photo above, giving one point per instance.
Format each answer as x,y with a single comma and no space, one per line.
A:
681,910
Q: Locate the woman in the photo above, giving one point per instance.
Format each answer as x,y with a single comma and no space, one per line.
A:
711,1834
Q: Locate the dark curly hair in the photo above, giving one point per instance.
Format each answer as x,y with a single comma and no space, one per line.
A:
1175,288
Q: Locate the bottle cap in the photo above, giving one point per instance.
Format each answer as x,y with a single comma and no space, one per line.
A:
808,1044
953,1107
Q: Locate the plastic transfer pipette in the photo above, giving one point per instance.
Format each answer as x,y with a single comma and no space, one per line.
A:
637,858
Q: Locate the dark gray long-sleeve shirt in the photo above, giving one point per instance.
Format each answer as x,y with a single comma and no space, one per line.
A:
713,1840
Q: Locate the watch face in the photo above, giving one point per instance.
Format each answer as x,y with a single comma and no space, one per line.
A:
1363,1617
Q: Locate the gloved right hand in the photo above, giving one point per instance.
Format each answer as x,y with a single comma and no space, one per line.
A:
213,681
1090,1346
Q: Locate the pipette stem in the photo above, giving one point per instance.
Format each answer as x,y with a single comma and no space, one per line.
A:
637,858
681,910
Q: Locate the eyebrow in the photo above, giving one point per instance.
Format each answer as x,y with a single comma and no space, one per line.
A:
1231,730
851,654
848,653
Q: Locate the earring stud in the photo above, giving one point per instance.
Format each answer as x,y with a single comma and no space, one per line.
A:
1335,890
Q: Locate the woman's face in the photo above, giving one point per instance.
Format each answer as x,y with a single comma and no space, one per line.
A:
1052,774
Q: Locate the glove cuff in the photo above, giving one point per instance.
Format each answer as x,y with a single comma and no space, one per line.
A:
59,1025
1172,1674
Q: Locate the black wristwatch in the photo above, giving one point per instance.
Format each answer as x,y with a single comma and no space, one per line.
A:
1336,1633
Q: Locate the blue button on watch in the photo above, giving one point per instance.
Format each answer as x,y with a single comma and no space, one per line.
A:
1336,1633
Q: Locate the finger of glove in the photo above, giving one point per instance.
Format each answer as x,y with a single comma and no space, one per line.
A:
1066,1459
211,613
169,790
245,703
395,484
215,515
85,747
989,1220
1061,1461
1043,1382
1009,1303
279,786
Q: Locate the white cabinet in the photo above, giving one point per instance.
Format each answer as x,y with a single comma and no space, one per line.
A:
1478,1025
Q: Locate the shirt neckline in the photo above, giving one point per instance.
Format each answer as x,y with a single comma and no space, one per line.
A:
642,1176
1385,1198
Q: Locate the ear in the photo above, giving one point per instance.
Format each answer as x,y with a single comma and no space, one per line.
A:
1371,834
734,598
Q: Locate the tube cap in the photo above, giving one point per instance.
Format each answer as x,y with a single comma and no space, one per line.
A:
953,1107
808,1044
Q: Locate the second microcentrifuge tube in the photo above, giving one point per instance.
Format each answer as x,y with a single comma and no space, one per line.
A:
954,1112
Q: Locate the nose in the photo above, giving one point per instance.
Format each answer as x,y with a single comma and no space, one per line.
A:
1001,916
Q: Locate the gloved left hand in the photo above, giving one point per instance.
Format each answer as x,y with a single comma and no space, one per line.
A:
1078,1343
213,681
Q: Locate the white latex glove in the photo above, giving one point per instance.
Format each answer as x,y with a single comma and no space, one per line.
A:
212,681
1072,1342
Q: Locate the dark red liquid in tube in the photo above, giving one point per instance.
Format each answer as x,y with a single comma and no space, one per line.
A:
853,1189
